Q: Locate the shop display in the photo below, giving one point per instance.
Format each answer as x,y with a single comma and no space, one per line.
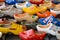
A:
45,14
31,35
30,19
25,16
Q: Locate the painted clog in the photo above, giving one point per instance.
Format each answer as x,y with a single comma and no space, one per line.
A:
8,10
25,16
32,35
22,5
49,28
31,10
45,14
45,21
56,9
50,19
10,2
46,4
37,1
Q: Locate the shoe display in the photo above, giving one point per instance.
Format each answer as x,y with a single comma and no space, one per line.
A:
29,19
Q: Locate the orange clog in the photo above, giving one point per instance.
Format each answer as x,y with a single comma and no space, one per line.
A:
45,14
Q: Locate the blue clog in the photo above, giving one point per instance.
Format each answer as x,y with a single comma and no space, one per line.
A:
50,19
45,21
10,2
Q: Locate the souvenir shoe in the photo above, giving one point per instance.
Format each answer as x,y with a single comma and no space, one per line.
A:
22,5
2,5
25,16
10,2
49,28
56,1
47,20
46,4
45,14
36,1
7,7
32,35
8,10
56,9
31,10
13,26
